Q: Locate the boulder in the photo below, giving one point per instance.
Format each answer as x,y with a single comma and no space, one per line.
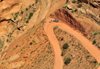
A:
69,6
82,10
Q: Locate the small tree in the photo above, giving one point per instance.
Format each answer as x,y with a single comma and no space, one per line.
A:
31,14
21,12
26,9
94,41
27,21
67,61
32,4
65,46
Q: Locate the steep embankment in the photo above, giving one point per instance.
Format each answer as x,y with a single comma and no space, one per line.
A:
65,16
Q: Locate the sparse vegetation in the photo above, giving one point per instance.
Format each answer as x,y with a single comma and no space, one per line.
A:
1,45
76,52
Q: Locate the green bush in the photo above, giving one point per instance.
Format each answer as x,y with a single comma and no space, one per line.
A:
8,21
67,61
72,11
7,40
30,43
94,41
14,18
22,12
32,4
26,9
36,1
65,46
31,14
50,14
27,21
55,28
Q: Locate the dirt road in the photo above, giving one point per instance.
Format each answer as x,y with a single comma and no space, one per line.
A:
86,43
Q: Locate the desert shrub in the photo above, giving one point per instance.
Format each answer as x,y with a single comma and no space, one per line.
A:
95,33
67,61
30,43
72,11
62,39
22,12
16,14
67,1
36,1
75,10
27,21
55,28
79,6
95,61
7,40
62,53
31,14
26,9
78,2
5,47
14,18
50,14
16,46
65,46
29,6
42,20
32,4
73,1
1,45
8,21
98,45
94,41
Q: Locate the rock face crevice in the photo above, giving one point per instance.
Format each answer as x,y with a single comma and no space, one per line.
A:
65,16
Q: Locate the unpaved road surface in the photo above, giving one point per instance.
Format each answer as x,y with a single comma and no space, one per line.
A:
86,43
